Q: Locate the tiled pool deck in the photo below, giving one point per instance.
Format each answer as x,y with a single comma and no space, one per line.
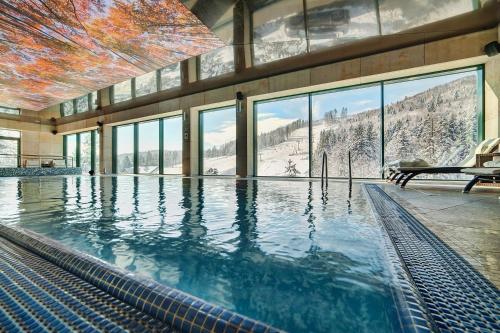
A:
469,223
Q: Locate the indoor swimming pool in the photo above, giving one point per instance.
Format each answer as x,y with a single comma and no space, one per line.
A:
281,252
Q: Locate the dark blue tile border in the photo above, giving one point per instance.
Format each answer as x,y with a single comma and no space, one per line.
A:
457,298
182,311
31,172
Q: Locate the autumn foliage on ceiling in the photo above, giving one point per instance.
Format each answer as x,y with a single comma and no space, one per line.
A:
55,50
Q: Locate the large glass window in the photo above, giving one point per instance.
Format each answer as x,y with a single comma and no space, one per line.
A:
125,149
145,84
7,110
278,30
333,22
218,141
221,60
85,152
396,15
347,120
435,119
82,104
9,148
67,108
122,91
71,148
149,147
282,128
170,76
172,145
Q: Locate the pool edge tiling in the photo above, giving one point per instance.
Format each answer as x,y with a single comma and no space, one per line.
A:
182,311
457,297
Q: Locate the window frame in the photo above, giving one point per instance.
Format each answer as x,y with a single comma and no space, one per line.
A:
200,138
18,142
479,69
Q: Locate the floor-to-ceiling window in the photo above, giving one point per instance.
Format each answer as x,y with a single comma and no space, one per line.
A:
149,147
218,141
85,152
282,143
71,150
172,145
433,118
125,149
9,148
436,117
347,120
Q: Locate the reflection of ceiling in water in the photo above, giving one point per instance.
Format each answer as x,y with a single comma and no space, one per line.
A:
55,50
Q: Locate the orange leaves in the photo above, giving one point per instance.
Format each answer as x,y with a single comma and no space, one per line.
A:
54,50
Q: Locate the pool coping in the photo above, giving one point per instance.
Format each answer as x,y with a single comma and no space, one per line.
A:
184,312
412,311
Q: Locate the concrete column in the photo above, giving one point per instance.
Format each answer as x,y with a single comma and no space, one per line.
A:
241,138
106,150
186,142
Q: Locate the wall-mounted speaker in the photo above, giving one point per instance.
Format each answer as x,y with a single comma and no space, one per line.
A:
492,49
100,123
54,132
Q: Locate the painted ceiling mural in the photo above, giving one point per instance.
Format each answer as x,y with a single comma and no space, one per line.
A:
55,50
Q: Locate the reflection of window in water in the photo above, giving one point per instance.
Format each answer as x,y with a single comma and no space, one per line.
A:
281,37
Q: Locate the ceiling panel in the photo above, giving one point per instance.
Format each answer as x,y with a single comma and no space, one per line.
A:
55,50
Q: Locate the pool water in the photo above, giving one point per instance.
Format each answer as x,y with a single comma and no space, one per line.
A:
276,251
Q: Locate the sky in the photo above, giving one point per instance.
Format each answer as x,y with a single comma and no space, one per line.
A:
219,126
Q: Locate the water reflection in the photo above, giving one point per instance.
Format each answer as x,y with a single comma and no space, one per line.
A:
276,251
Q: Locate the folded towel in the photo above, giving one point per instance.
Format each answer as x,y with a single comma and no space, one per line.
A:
416,163
492,164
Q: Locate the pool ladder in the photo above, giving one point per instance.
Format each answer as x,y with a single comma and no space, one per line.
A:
324,171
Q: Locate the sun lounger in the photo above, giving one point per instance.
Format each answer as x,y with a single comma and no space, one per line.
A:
484,174
405,173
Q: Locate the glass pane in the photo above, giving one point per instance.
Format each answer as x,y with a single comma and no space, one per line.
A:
333,22
9,110
217,62
434,119
170,76
82,104
125,149
94,100
67,108
396,15
172,145
10,133
218,140
278,30
97,145
145,84
122,91
71,150
221,60
149,147
85,152
283,137
346,120
8,147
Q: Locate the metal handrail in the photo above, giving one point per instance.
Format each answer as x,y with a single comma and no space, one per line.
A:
324,171
43,160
